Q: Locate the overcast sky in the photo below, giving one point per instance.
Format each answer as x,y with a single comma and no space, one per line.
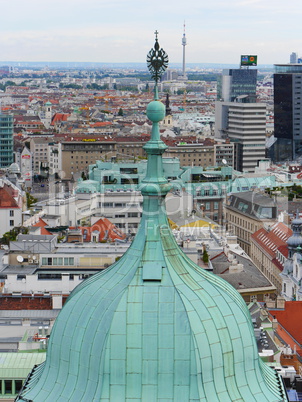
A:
217,31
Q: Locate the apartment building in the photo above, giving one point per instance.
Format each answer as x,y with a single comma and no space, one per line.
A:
268,245
244,124
248,212
76,156
194,154
38,264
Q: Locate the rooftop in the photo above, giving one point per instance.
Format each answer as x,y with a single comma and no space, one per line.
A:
19,365
247,278
290,318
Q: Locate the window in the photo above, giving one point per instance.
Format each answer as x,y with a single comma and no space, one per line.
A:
128,170
18,385
216,205
11,213
68,261
11,223
120,225
129,180
20,277
49,277
57,261
8,386
108,204
208,206
132,214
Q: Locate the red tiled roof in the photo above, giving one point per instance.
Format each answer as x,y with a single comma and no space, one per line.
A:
30,122
290,318
42,225
277,264
59,117
133,138
272,240
283,250
7,195
101,124
107,230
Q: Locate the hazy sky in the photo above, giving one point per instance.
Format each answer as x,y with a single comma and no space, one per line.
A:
217,31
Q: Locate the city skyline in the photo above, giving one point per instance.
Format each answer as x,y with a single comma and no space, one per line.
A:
119,31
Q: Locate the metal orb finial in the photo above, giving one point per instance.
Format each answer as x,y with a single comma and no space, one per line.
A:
157,60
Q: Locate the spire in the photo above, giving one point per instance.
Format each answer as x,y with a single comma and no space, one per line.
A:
155,183
168,109
157,62
296,239
294,244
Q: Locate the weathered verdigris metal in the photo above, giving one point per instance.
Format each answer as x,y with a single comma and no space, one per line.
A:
154,326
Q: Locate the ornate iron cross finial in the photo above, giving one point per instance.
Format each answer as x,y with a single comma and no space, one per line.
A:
157,60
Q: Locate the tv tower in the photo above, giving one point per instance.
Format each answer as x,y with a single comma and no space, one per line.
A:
184,42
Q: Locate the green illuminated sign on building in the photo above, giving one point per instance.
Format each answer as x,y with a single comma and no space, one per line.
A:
248,61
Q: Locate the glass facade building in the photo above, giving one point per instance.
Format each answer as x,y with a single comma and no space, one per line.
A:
237,84
6,140
287,112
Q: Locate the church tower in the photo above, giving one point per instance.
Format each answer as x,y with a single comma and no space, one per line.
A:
153,326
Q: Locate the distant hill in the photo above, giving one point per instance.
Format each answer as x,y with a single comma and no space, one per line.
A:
135,66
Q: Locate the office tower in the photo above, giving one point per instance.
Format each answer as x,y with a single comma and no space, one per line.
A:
239,118
237,84
154,326
184,43
170,75
6,139
287,112
293,58
244,124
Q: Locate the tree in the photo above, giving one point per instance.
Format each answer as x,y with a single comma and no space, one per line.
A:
30,200
120,112
205,256
12,235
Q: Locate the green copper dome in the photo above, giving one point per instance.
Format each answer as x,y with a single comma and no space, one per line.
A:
154,326
156,111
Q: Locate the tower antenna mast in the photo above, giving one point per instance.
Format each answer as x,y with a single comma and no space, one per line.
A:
184,43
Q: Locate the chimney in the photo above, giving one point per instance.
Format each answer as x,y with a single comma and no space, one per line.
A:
280,302
235,267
